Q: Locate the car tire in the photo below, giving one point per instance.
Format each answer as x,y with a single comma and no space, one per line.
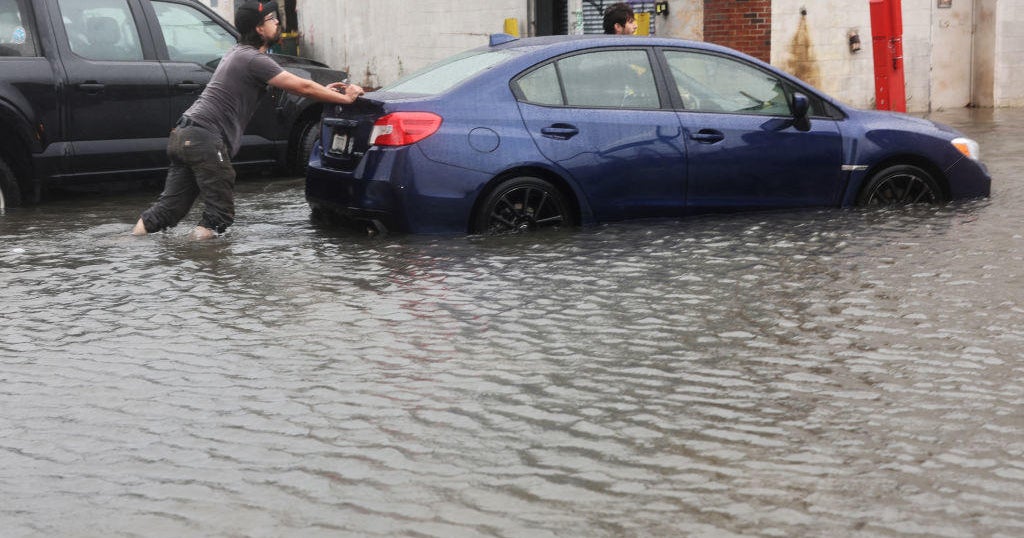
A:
900,185
522,204
308,137
10,194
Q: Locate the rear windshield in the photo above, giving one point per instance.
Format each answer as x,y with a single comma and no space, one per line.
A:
448,73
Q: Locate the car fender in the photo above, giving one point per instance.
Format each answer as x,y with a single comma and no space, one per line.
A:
880,143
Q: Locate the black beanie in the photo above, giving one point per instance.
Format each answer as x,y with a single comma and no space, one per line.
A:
251,13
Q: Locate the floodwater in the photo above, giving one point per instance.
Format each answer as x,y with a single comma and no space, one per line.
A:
814,373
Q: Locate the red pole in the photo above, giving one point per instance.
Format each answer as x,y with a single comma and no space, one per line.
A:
887,39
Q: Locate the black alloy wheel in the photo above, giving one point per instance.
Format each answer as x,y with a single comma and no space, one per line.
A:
523,204
900,185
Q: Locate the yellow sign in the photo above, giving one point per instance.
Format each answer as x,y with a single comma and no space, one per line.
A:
512,27
643,23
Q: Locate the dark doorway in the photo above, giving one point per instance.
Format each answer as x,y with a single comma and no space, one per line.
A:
291,21
552,17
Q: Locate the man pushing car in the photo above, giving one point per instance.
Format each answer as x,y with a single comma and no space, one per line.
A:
209,133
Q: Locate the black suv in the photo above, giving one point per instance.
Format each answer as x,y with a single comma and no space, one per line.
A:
89,90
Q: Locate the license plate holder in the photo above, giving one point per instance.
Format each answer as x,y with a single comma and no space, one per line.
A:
341,143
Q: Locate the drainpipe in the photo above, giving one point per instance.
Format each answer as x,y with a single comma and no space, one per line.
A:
887,38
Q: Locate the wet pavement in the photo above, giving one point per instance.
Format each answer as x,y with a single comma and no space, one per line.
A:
814,373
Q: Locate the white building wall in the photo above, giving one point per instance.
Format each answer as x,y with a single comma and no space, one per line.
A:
846,76
943,64
379,41
685,20
1009,69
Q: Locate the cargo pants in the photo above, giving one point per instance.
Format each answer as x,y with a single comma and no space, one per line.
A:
200,166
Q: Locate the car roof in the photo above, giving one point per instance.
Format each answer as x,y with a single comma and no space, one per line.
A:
568,43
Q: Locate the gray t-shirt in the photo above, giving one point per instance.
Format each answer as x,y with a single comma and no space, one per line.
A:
229,100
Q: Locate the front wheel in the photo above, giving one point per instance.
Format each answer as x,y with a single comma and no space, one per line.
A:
522,204
900,185
10,194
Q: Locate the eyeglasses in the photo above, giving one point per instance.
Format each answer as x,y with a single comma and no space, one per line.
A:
271,17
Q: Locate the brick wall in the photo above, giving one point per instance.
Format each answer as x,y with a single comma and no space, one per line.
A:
745,25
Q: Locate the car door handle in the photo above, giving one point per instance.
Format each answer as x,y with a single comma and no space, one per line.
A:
189,86
92,87
560,131
708,136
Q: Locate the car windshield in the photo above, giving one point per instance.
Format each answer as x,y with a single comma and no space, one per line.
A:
448,73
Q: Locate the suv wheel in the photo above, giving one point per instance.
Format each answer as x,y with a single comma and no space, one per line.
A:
310,133
10,194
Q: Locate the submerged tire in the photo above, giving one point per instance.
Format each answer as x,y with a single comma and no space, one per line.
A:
308,136
900,185
522,204
10,194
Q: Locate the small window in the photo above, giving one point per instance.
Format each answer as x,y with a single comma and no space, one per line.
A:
603,79
541,86
712,83
190,35
101,29
16,36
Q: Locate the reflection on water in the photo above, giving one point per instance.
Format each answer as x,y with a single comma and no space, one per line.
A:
826,372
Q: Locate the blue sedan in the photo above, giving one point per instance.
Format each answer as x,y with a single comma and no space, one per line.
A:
525,134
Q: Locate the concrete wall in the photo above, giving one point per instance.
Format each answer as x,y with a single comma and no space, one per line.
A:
377,42
816,46
1009,53
685,20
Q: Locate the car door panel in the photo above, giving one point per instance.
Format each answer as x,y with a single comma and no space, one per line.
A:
753,161
745,149
625,153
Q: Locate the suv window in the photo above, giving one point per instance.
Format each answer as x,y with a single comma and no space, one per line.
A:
101,29
603,79
16,37
712,83
191,36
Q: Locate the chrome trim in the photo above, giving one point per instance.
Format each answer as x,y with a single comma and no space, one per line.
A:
854,167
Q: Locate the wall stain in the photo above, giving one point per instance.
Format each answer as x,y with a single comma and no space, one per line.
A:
802,62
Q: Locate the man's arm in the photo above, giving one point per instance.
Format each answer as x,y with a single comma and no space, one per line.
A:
342,94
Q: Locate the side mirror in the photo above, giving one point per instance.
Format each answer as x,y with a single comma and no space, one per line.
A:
800,106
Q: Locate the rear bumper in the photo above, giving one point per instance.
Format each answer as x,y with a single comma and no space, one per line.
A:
397,187
341,193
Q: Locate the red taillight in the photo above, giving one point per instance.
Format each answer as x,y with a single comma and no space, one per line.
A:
404,128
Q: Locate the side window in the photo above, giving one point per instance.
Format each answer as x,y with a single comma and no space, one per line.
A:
712,83
602,79
541,86
190,35
614,79
101,29
16,36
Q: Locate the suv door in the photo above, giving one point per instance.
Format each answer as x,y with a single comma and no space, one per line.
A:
117,95
193,42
